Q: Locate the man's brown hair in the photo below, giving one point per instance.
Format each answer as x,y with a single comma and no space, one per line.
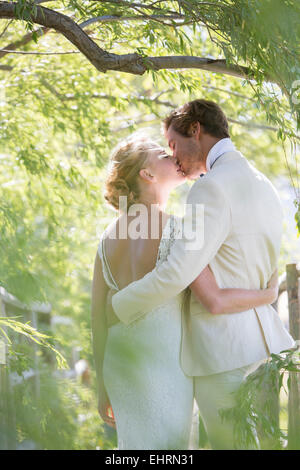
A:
207,113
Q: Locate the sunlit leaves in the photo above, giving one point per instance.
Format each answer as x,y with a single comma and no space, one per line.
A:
60,119
253,411
25,329
297,216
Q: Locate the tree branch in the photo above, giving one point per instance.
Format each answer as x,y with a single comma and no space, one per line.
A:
138,6
130,63
117,18
230,92
103,96
101,59
7,51
5,28
7,68
22,42
191,62
155,99
264,127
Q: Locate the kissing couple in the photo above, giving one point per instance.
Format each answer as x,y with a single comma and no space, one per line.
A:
175,320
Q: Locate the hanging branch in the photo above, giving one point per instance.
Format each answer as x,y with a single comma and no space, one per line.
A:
22,42
130,63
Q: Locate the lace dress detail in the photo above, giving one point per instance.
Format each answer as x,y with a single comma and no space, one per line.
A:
170,233
151,397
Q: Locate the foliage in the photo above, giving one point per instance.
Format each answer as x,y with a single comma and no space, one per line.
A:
49,409
60,117
26,330
297,215
250,412
62,416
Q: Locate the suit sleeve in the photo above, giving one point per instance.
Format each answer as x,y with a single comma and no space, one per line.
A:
205,227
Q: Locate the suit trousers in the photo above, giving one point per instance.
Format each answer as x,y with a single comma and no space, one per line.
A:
215,392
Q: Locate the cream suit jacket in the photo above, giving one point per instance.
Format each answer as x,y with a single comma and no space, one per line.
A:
242,234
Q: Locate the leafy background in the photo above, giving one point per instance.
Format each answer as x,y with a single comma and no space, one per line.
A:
60,119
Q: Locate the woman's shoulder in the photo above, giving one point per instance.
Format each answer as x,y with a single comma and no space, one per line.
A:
110,231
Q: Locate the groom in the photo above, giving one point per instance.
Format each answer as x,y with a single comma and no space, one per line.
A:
242,231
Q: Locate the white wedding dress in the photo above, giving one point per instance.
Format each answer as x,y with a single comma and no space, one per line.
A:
151,397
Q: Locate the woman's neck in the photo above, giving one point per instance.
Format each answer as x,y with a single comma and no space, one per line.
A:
157,201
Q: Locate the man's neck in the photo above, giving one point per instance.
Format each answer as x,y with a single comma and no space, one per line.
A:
207,145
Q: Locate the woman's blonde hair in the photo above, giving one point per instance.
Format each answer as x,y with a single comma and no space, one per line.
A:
126,161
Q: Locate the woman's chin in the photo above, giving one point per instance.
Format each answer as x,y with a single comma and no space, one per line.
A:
177,180
193,176
181,180
182,177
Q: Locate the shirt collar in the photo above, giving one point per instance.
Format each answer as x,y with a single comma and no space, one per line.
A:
222,146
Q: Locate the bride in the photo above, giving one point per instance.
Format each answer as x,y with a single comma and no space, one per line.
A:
142,389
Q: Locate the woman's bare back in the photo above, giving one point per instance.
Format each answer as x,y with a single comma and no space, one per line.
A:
131,259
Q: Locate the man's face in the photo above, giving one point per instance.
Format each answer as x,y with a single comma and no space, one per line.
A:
186,152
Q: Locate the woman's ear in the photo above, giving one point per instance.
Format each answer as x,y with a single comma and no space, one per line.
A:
146,176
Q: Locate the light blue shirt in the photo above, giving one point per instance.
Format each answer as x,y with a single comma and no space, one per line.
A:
223,146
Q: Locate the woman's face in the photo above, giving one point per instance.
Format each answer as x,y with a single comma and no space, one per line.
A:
164,169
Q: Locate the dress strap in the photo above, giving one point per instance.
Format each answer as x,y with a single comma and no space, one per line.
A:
109,279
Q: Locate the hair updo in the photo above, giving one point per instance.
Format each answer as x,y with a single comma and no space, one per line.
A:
126,161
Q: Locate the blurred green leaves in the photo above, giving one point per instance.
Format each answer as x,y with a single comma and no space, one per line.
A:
60,119
254,407
31,333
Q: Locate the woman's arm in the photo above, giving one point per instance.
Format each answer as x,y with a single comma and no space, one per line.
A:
218,301
99,337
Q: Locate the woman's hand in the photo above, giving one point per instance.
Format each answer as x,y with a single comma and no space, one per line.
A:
273,287
105,409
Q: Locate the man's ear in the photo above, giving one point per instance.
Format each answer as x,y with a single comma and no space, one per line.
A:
195,130
146,176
